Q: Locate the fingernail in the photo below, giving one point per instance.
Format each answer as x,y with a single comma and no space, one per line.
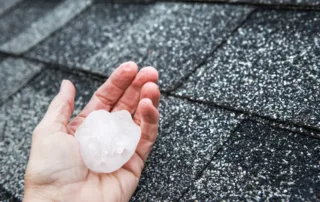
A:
147,101
62,84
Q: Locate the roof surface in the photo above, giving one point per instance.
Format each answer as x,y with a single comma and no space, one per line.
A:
240,106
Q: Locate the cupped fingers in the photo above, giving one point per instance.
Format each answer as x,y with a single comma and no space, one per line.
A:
108,93
130,99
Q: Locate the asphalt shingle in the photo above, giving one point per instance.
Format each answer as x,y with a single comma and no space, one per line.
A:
22,16
2,57
6,5
310,3
26,108
86,34
44,20
5,196
266,65
190,134
170,36
15,73
261,163
269,67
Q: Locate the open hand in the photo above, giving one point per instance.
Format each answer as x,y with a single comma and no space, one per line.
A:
55,170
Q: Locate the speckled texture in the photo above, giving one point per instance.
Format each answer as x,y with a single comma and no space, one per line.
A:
2,57
189,135
26,108
285,125
22,16
6,196
173,37
87,33
126,1
15,73
46,25
262,164
6,5
281,2
270,67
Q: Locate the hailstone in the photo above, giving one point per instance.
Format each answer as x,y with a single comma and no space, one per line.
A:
107,140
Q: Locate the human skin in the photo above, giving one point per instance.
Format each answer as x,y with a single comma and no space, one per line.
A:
55,170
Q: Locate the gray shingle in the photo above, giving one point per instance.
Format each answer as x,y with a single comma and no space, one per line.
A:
15,73
190,134
2,57
173,37
43,27
6,5
22,112
87,33
5,196
270,67
282,2
260,163
22,16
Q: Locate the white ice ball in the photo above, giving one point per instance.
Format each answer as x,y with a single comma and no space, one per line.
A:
107,140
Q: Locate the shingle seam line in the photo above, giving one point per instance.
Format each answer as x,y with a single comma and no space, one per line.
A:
210,55
201,172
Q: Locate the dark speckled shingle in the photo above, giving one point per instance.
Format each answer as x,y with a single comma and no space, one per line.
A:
35,20
14,73
22,112
86,34
2,57
270,67
309,3
190,134
5,5
5,196
16,21
260,163
173,37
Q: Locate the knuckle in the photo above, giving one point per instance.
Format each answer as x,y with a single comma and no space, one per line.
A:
103,99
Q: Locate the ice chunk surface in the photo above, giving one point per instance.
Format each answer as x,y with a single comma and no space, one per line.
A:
107,140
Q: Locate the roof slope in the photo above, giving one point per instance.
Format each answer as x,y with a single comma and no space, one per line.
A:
240,111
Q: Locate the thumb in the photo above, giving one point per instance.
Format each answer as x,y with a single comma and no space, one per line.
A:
60,109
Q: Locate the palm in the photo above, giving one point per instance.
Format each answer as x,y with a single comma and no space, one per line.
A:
57,158
87,185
